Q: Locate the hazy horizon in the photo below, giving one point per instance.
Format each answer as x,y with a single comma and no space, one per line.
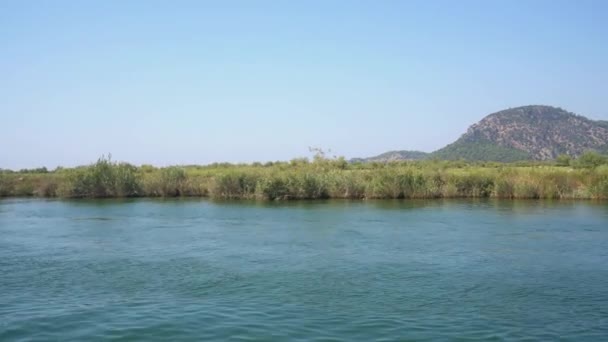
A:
192,82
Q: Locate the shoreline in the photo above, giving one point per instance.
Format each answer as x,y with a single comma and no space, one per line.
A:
317,180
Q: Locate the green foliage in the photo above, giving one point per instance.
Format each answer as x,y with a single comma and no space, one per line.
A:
346,184
6,185
36,170
479,151
563,160
590,159
472,184
102,179
298,162
598,183
392,156
321,178
166,182
271,187
173,180
234,185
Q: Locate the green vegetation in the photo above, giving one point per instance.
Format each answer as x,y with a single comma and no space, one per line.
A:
480,151
393,156
590,159
563,160
565,178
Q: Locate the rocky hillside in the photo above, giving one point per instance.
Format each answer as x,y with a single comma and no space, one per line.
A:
529,132
540,132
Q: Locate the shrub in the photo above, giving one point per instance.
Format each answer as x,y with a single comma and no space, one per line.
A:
102,179
563,160
590,159
6,184
272,187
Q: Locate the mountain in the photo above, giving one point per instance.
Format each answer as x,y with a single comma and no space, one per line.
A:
527,133
530,132
392,156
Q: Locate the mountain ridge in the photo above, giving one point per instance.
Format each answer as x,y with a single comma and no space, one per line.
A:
533,132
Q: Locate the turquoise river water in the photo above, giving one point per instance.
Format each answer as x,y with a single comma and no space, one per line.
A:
303,271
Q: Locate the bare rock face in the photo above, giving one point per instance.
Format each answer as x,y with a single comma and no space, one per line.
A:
543,132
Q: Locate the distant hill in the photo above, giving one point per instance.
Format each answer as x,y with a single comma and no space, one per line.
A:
530,132
392,156
525,133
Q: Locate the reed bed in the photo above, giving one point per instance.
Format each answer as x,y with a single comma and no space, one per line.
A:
317,179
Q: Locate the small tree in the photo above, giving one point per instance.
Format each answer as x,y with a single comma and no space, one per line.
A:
591,159
563,160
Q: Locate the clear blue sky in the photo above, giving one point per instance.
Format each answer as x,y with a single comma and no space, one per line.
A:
174,82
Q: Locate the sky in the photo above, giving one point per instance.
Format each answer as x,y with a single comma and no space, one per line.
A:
196,82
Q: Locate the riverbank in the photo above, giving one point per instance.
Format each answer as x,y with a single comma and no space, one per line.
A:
319,179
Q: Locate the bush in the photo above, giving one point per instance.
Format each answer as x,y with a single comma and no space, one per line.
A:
102,179
6,184
563,160
272,187
590,160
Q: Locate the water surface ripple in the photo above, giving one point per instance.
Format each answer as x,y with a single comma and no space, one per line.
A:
320,271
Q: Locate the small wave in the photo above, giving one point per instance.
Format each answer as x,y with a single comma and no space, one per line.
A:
92,219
